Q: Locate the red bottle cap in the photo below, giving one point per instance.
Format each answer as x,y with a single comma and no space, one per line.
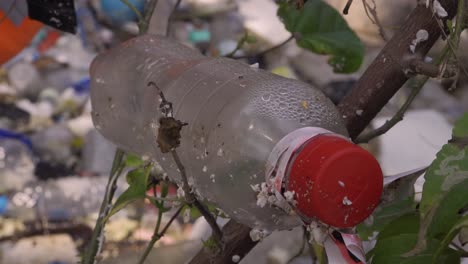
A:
335,181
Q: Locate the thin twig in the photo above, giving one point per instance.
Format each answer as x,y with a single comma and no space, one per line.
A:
149,9
157,235
267,50
346,8
396,118
133,8
171,17
400,113
454,41
166,109
94,248
452,45
371,12
418,66
239,45
191,199
161,199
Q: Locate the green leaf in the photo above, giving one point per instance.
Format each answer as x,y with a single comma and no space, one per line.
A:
405,224
384,215
164,189
321,29
132,160
250,39
390,250
449,169
444,191
463,222
461,127
137,180
448,211
194,213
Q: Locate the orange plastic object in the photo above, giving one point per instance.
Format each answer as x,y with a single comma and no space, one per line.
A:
13,38
49,41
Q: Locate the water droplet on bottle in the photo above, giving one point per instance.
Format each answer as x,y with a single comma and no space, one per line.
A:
154,125
220,152
266,97
204,168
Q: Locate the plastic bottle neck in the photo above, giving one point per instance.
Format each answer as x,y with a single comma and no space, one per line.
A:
284,151
332,179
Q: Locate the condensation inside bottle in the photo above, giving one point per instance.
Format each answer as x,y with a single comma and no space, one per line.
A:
235,115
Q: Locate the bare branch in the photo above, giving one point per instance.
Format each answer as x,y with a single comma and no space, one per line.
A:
157,235
95,245
418,66
396,118
346,8
384,77
371,12
237,242
191,199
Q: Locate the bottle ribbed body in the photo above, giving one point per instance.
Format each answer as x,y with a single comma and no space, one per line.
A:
235,113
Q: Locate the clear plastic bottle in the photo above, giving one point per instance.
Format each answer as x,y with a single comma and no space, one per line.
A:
62,199
236,116
16,160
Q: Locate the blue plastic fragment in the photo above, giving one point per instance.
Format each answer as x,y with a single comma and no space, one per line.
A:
17,136
3,204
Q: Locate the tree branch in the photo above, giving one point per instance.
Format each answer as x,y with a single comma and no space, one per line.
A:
346,8
157,235
378,84
364,138
371,12
95,245
191,199
384,77
418,66
237,242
